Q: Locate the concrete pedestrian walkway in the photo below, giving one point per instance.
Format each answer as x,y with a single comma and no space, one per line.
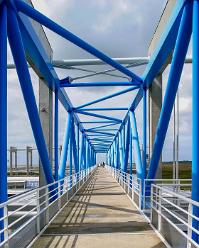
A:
100,216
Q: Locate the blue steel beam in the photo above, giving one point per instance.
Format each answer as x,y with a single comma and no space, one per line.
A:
103,129
102,126
100,142
178,59
98,139
56,142
98,146
130,157
62,166
84,154
121,150
144,121
126,155
71,157
99,132
3,112
97,122
81,152
37,16
195,117
102,109
118,153
108,97
101,147
78,145
97,135
136,145
98,116
18,52
96,84
74,147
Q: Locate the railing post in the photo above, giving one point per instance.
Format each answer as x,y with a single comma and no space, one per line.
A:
38,210
128,183
59,194
160,210
27,160
66,189
140,194
46,205
144,194
132,189
190,219
5,212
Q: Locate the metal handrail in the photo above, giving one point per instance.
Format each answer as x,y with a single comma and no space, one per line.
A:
165,202
40,200
164,198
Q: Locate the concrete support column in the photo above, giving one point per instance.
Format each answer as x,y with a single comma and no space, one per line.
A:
155,105
46,115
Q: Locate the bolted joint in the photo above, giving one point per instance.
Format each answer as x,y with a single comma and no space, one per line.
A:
65,81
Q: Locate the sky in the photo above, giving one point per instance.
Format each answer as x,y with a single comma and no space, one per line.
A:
119,28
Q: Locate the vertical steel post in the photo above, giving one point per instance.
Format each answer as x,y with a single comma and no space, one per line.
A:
56,145
78,147
3,111
81,153
124,136
86,153
64,153
71,159
74,146
118,152
131,158
136,145
115,153
195,116
179,54
144,152
126,156
121,150
18,52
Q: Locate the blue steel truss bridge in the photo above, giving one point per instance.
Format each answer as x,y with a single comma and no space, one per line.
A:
120,202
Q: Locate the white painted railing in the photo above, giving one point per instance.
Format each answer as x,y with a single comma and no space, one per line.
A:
176,185
26,209
130,183
167,204
173,210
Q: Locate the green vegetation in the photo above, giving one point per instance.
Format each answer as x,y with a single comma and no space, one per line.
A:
184,170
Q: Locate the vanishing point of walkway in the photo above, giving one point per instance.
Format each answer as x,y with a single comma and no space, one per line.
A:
100,215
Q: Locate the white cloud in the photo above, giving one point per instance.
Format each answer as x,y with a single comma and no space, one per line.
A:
112,12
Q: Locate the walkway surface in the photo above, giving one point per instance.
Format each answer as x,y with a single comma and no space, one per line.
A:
100,216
